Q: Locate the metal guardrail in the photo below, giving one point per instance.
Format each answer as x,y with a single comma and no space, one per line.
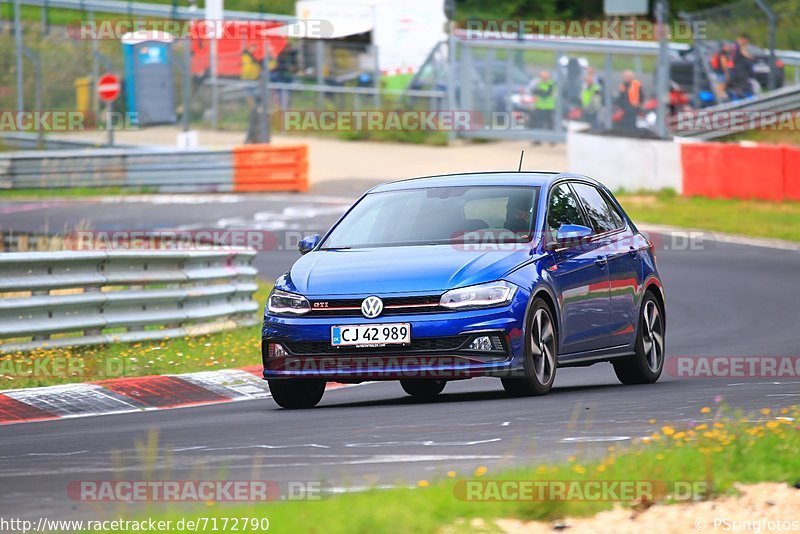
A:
91,298
130,167
779,100
258,167
600,46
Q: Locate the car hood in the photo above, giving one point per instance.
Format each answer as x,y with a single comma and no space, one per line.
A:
383,270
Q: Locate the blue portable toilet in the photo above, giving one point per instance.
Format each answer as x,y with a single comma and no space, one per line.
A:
149,85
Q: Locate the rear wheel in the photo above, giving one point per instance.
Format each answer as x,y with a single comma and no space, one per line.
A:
645,366
298,393
541,355
423,389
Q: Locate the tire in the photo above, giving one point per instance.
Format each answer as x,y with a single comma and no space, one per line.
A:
423,389
541,354
298,393
646,365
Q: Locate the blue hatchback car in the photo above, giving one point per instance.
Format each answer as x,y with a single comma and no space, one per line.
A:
505,274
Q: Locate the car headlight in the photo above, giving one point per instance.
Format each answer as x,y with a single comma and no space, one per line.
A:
284,303
481,296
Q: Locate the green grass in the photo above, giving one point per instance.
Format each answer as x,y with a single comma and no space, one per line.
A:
75,192
713,454
780,220
788,137
222,350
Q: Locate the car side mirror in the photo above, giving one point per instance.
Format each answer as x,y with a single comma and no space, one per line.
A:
569,235
308,243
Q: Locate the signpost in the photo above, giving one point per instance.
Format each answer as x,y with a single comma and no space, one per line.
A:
108,90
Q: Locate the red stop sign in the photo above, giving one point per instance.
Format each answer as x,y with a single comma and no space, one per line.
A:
108,87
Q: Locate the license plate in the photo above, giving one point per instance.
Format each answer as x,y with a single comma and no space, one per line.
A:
371,335
761,67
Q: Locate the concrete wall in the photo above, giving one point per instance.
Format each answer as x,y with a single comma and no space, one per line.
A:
625,162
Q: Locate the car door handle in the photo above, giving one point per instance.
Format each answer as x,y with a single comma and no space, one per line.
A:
601,261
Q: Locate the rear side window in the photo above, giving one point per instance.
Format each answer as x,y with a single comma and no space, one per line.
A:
563,208
601,213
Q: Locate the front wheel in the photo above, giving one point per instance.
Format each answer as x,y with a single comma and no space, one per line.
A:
296,394
645,366
541,356
423,389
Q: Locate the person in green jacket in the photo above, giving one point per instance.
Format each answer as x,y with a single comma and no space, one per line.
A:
544,105
591,98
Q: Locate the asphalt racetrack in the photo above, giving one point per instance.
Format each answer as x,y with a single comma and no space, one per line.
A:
723,300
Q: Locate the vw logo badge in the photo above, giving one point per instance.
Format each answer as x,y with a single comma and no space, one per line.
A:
372,307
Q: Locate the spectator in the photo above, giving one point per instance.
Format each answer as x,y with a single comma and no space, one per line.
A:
741,71
721,64
251,67
630,100
591,98
544,105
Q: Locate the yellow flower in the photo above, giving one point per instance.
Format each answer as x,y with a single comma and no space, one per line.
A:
667,430
423,483
651,421
765,411
579,469
705,409
601,468
570,458
702,426
451,474
773,425
480,471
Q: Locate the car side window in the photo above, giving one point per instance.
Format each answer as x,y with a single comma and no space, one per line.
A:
600,213
619,221
563,208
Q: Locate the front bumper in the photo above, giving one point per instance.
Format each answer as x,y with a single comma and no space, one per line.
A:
437,350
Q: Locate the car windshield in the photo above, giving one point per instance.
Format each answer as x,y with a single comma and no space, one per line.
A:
438,215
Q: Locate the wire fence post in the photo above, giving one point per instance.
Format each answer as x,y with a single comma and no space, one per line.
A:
187,84
19,51
451,76
263,123
38,88
662,69
95,70
607,93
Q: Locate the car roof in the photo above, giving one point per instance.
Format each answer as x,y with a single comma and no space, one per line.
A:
502,178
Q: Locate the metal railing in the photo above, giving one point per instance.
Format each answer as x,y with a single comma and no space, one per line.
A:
92,298
785,99
132,167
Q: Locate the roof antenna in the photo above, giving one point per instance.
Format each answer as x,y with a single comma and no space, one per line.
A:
521,155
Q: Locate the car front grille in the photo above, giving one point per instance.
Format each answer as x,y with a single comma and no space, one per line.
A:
433,344
391,306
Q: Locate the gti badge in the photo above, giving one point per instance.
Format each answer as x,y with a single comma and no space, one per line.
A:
372,307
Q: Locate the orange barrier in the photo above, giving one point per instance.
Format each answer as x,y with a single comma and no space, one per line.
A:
267,167
723,170
791,173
